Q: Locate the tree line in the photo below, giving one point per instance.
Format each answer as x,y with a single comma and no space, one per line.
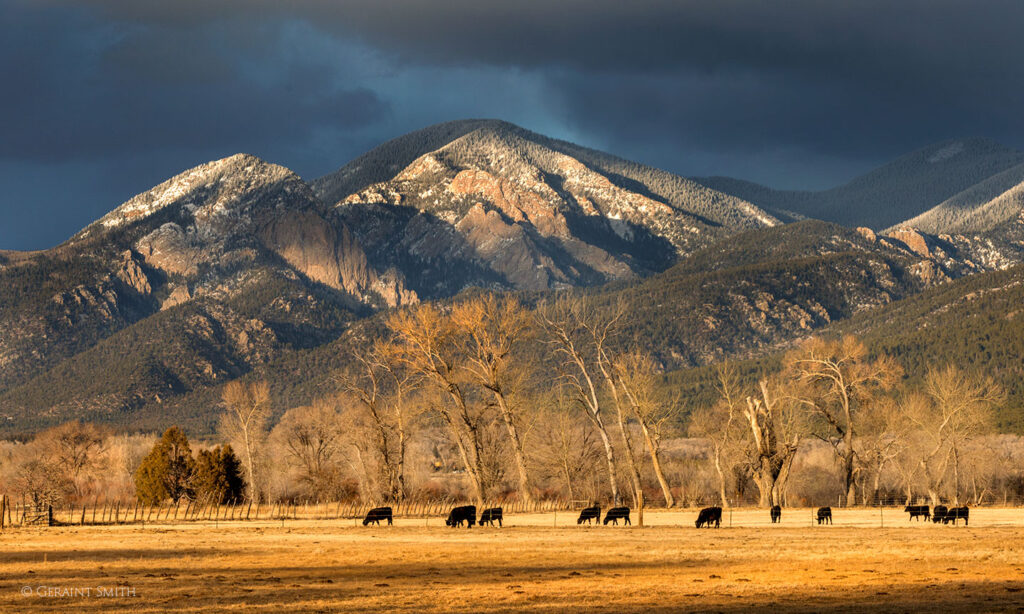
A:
488,397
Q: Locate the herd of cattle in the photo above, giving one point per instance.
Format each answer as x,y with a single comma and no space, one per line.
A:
466,515
941,513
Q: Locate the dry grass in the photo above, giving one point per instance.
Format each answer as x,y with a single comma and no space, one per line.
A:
530,566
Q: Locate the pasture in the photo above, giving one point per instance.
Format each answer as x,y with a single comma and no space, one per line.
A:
537,563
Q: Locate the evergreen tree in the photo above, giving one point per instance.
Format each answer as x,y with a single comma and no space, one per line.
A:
218,476
167,470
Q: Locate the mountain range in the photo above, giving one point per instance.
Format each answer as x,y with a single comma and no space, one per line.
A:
239,267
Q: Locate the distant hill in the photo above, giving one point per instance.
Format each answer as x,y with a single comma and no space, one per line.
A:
986,207
975,322
894,193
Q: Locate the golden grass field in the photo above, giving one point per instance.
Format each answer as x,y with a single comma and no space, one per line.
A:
531,565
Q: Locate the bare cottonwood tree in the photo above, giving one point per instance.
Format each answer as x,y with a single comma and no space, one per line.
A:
244,425
721,425
491,329
73,448
636,375
568,448
883,436
599,334
426,341
776,430
311,438
569,326
384,389
840,378
955,408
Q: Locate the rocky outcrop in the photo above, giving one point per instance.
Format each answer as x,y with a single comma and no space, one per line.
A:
331,256
168,248
867,233
517,204
913,240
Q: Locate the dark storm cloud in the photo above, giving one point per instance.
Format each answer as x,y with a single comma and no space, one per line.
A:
78,86
789,92
858,77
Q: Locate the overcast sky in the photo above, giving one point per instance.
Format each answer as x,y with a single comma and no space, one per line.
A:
102,99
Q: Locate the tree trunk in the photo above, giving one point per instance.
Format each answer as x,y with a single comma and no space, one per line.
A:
568,476
469,464
250,467
652,448
765,483
850,481
721,479
401,463
609,455
956,476
517,447
634,469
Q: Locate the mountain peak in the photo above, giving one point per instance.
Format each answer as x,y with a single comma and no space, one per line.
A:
892,193
218,183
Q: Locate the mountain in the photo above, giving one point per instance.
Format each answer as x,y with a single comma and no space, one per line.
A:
238,263
484,202
990,206
758,292
238,268
896,192
243,243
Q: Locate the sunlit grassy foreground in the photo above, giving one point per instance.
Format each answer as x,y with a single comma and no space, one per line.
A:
529,566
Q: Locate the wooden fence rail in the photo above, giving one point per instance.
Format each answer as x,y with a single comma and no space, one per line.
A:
15,513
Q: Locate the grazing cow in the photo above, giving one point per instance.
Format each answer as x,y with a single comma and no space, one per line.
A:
590,514
825,515
776,514
709,515
956,513
376,515
939,513
458,515
918,510
615,513
490,515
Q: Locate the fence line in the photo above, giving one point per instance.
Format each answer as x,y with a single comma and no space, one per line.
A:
24,513
118,512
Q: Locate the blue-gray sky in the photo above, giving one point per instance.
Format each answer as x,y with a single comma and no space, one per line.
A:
102,99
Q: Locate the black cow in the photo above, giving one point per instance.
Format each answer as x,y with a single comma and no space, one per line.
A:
615,513
490,515
709,515
939,513
376,515
825,515
589,514
918,510
956,513
458,515
776,514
